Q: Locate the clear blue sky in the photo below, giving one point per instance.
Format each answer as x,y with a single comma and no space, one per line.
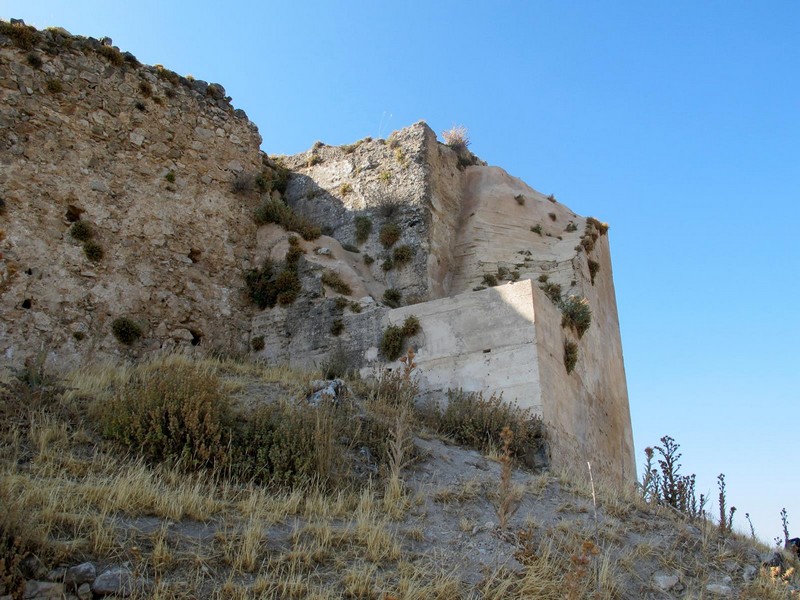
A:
677,122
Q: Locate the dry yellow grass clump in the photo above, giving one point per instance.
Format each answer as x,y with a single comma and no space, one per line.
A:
366,497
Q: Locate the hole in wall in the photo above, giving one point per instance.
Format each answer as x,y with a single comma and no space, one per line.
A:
487,350
27,303
197,337
28,271
73,213
195,254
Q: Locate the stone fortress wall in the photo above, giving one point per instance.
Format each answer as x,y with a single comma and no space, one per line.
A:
162,168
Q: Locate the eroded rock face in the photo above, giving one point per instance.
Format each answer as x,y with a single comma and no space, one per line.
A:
148,163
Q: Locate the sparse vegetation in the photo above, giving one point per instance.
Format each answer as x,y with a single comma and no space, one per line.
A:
363,226
489,279
174,412
552,291
571,227
257,343
576,314
345,189
392,297
81,231
34,60
23,36
402,255
537,229
93,250
145,88
275,211
272,283
570,355
457,137
170,177
594,268
368,260
126,330
338,327
334,281
243,183
478,422
394,337
389,234
112,54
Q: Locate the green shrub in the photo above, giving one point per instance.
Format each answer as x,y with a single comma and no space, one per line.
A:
334,281
113,55
490,280
272,283
34,60
368,260
81,231
392,342
389,234
146,89
126,330
274,177
570,355
355,307
473,420
23,36
290,445
537,229
576,314
294,252
363,229
387,264
571,227
602,228
594,268
275,211
402,255
93,251
392,297
345,189
394,337
288,286
411,326
171,411
170,177
552,291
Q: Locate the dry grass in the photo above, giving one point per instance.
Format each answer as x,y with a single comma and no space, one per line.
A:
68,495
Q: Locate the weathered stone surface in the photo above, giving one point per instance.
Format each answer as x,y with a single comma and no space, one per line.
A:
118,581
665,583
80,574
718,589
112,169
42,590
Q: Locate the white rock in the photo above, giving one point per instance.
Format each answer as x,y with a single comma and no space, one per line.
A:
665,582
719,589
